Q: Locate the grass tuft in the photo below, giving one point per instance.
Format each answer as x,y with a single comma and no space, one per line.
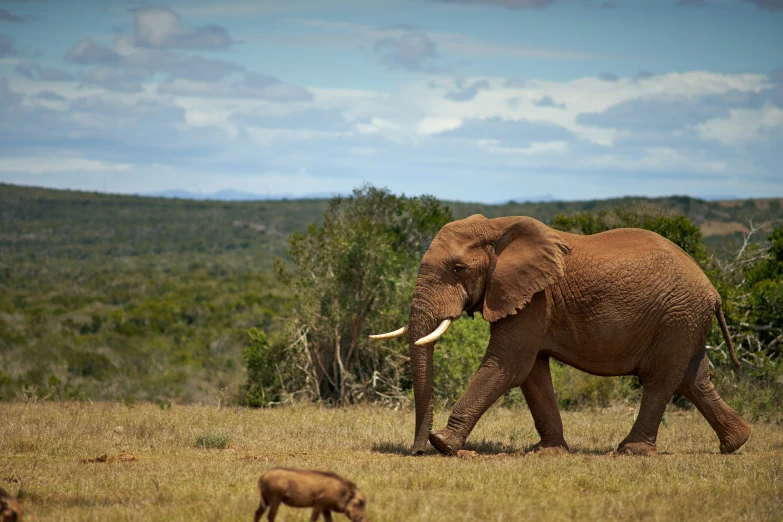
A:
213,441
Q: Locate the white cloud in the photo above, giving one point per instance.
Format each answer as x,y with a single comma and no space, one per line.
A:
33,165
161,28
535,148
578,96
743,126
658,159
470,46
429,126
270,137
377,125
402,134
251,86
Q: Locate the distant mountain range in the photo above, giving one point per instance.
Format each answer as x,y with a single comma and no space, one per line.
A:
237,195
542,198
548,198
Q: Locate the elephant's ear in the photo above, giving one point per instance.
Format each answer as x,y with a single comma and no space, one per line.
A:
528,257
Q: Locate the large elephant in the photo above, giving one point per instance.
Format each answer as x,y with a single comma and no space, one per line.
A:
622,302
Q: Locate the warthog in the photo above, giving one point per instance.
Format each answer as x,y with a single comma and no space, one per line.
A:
10,508
324,492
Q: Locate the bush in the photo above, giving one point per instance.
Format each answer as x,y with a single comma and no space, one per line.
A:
261,387
575,389
88,364
349,277
212,441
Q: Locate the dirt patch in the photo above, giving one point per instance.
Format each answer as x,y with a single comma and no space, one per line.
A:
469,455
722,228
122,457
259,458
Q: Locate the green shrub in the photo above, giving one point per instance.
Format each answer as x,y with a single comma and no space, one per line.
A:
212,441
575,389
262,386
88,364
349,277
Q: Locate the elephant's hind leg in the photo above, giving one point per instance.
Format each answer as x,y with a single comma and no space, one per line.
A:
732,431
540,397
641,440
658,385
679,337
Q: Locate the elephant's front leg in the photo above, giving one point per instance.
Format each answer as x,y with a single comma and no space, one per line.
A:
507,363
540,397
493,378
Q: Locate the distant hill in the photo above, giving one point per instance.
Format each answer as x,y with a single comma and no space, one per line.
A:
235,195
74,224
721,222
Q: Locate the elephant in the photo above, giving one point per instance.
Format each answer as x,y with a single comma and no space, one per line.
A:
621,302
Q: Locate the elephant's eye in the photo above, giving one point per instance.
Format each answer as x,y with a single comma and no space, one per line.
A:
459,268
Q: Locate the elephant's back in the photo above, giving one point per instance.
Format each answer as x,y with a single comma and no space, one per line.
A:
632,242
629,247
623,287
636,257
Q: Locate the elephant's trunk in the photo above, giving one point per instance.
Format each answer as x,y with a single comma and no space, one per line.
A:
421,323
421,371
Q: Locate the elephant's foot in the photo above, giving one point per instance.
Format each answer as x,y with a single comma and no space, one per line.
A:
550,447
637,448
547,451
446,441
735,438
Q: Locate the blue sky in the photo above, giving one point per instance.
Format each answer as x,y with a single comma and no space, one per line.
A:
482,100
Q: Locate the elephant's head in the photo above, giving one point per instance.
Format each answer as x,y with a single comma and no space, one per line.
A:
494,266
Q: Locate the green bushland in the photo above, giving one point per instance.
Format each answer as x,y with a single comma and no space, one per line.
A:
348,277
353,277
107,297
212,441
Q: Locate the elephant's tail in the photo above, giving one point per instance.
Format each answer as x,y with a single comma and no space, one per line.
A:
725,330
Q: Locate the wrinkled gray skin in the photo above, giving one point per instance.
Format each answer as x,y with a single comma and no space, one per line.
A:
623,302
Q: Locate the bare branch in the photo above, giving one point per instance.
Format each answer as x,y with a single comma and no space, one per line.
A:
738,259
775,341
757,328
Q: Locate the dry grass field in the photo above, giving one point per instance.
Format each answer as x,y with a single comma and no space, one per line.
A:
176,475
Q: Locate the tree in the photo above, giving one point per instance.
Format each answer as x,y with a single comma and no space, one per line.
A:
763,290
349,277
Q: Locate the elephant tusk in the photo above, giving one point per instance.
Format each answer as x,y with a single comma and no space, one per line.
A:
391,335
440,330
